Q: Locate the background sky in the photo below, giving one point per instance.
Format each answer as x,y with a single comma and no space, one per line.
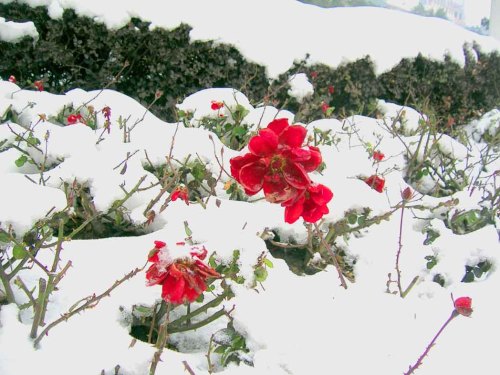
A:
475,10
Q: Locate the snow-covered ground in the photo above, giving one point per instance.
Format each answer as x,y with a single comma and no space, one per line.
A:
295,324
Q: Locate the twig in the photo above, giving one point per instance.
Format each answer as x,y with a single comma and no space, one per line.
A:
91,301
412,369
6,284
188,368
161,342
332,255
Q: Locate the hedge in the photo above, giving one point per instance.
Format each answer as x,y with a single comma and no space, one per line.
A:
76,51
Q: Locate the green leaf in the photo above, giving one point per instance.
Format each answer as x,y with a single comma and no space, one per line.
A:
268,263
198,172
260,274
361,220
220,349
21,161
351,218
4,237
19,251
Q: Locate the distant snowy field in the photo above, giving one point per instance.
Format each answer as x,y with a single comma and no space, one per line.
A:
297,325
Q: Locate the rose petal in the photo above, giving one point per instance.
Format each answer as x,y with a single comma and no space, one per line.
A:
239,162
278,125
314,161
293,211
298,154
263,144
252,177
313,212
293,136
320,194
295,175
278,191
173,290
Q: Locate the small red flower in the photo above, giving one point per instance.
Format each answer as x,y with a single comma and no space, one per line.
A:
324,107
180,192
331,89
12,79
376,182
216,105
38,85
73,119
378,156
314,75
463,306
182,279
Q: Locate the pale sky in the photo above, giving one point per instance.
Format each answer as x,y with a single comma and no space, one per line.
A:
475,10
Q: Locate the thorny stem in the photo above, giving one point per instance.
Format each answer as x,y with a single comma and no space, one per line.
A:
90,301
202,323
47,286
8,289
332,255
213,303
412,369
400,246
188,368
161,342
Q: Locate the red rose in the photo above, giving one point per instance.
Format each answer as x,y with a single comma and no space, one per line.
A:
324,107
463,306
331,89
183,279
180,192
38,85
314,75
216,105
73,119
376,182
12,79
378,156
276,162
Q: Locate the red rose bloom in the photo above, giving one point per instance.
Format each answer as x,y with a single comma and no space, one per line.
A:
183,279
331,89
73,119
12,79
277,162
463,306
376,183
311,204
378,156
180,192
324,107
38,85
314,75
216,105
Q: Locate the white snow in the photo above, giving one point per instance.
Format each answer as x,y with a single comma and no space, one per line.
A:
296,325
13,32
300,87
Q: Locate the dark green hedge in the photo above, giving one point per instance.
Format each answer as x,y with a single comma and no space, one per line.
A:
78,52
